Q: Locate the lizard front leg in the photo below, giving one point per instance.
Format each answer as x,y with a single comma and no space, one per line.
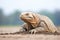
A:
42,28
36,30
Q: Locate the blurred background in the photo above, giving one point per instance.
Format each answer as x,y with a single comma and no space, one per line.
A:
11,9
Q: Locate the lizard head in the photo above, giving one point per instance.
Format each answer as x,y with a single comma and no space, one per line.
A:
29,17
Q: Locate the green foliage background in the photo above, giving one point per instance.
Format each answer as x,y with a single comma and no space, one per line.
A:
14,19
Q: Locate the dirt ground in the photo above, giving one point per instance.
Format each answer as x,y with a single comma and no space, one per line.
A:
25,36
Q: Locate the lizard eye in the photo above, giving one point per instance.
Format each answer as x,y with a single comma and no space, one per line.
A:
27,14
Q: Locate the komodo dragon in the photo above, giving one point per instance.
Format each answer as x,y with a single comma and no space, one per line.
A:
35,22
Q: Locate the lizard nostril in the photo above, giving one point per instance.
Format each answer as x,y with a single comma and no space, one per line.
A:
21,15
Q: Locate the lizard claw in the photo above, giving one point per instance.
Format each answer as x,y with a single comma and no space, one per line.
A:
33,31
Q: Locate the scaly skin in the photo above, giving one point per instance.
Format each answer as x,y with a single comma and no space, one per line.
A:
35,22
